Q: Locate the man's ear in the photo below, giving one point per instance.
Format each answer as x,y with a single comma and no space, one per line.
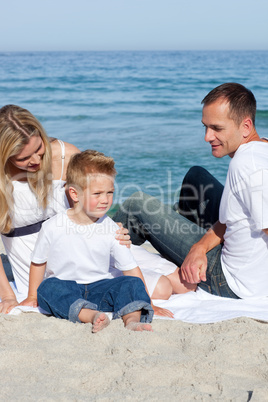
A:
73,193
247,126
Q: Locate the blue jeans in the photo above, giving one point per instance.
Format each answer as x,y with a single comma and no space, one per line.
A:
173,230
122,295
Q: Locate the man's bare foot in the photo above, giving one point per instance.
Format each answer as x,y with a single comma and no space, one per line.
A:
139,326
100,321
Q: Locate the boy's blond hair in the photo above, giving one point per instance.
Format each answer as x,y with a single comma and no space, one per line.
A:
87,163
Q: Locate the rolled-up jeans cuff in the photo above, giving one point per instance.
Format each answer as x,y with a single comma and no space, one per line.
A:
77,306
147,311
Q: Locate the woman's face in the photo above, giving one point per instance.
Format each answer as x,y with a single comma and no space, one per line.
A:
29,159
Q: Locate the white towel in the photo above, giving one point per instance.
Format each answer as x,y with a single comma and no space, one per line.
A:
195,307
202,308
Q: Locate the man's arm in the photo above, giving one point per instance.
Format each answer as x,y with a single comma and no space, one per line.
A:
37,272
265,231
194,267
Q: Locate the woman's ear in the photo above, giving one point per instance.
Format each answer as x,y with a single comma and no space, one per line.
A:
73,193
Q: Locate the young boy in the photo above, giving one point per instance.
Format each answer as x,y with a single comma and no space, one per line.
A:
73,251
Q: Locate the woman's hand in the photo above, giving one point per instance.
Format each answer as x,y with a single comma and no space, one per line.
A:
29,301
123,236
162,311
7,305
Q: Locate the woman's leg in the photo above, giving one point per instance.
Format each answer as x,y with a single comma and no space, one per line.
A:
163,289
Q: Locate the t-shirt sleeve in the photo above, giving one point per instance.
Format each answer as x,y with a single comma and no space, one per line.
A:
256,198
41,249
122,257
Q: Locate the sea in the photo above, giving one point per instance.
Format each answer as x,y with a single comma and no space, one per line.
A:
142,108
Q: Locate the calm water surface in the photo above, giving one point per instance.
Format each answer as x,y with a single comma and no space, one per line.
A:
142,108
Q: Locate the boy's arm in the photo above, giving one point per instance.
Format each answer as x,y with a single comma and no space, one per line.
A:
157,310
37,272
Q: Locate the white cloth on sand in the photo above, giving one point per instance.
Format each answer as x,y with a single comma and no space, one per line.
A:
197,307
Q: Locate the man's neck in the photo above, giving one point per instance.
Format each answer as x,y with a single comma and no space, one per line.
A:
253,136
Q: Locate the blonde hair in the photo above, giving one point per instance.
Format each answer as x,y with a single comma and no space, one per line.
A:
86,163
17,127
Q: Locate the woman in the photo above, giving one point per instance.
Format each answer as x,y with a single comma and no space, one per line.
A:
32,190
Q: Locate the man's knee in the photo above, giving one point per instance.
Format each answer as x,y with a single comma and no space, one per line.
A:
193,173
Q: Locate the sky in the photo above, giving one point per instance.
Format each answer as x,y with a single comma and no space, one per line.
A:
43,25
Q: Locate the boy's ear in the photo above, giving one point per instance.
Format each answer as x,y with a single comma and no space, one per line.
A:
73,193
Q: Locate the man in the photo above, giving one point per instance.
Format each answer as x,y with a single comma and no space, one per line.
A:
230,259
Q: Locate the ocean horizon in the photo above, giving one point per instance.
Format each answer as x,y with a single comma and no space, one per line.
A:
143,108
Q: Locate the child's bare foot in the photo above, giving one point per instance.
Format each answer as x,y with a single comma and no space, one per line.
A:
139,326
100,321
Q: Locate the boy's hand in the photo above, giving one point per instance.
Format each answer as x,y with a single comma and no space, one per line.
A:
123,236
30,301
162,311
7,305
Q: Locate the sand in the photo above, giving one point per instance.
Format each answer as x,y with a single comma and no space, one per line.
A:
47,359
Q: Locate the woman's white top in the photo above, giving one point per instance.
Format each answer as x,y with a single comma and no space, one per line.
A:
27,212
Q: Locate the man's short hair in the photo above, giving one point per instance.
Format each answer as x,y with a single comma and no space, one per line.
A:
87,163
242,102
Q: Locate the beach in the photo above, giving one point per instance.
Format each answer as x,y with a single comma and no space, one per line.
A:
47,359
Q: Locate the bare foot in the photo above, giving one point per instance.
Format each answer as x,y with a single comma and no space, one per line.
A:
139,326
100,321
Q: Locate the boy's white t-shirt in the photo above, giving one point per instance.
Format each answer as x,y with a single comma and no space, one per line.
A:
80,252
244,209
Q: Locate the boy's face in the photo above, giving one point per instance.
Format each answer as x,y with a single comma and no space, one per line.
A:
97,198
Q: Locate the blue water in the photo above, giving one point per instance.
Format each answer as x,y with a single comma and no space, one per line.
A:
142,108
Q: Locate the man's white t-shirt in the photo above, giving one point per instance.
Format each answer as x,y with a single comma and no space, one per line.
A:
80,252
244,210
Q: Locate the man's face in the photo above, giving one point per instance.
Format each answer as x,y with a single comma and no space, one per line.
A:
222,133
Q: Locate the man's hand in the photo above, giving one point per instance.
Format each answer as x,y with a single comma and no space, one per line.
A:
162,311
7,305
30,301
193,269
123,236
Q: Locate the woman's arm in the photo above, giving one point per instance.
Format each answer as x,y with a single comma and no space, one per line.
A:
7,296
